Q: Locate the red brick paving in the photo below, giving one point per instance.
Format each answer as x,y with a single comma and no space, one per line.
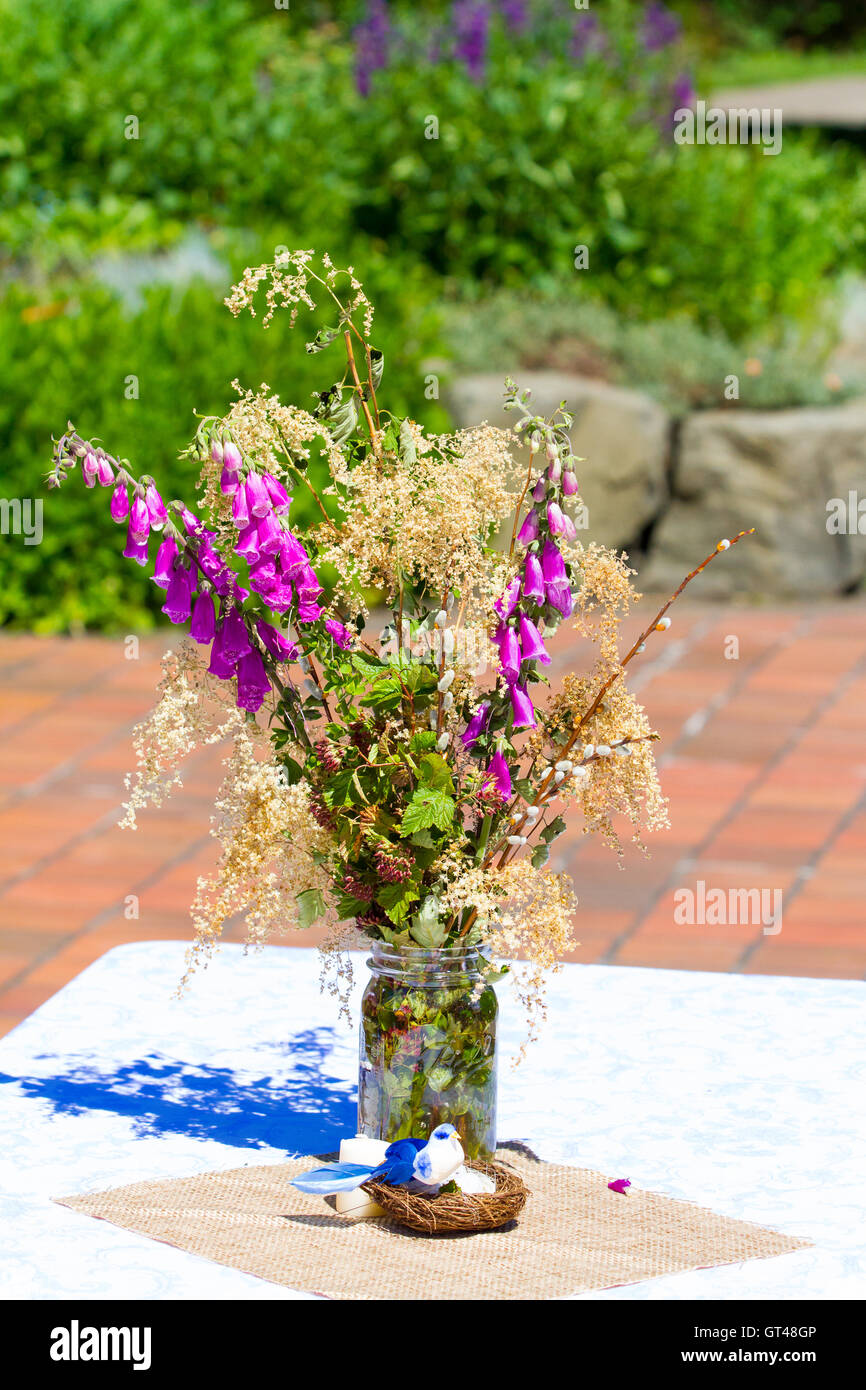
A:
763,758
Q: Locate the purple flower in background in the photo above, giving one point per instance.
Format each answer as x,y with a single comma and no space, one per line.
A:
476,726
253,683
523,708
341,634
165,558
682,93
529,530
509,652
498,776
515,14
588,38
660,28
470,20
119,505
203,625
178,597
531,644
372,43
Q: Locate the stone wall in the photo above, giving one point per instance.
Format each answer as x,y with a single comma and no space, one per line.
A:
668,489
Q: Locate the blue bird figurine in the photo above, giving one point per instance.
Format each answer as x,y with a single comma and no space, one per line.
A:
422,1165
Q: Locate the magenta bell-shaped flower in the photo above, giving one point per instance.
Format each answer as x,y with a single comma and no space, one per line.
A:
552,564
522,706
533,580
228,482
155,507
570,484
253,683
507,601
216,450
293,557
340,633
258,501
165,561
569,530
231,456
247,543
135,549
178,597
240,511
235,640
89,468
554,472
270,535
278,645
280,499
476,726
555,519
119,506
263,576
539,490
308,610
531,644
560,597
498,776
529,530
203,624
139,519
104,471
509,652
220,664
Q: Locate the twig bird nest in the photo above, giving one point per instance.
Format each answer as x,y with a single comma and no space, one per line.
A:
455,1211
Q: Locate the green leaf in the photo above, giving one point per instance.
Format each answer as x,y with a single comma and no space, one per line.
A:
311,906
348,906
433,771
424,739
428,928
539,856
550,832
428,807
397,900
323,339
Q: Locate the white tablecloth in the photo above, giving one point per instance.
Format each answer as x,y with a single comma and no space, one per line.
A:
742,1093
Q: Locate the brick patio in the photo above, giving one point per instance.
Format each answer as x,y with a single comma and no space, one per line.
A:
763,758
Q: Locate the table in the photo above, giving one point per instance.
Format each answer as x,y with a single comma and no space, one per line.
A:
743,1093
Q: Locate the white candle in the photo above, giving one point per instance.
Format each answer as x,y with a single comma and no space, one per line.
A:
358,1204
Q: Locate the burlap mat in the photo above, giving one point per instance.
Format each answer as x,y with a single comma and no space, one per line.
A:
574,1234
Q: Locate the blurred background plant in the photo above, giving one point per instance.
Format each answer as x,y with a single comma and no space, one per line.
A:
457,152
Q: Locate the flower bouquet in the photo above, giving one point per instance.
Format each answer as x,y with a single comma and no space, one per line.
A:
401,783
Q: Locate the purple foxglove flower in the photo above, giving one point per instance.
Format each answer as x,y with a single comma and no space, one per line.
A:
498,776
203,625
270,535
178,597
235,640
308,610
281,598
539,490
554,472
240,512
192,523
258,501
104,471
507,602
529,530
552,563
119,506
523,709
253,683
555,518
90,468
263,576
560,597
231,456
135,549
293,557
247,543
531,644
211,563
372,40
165,558
533,581
471,20
569,530
307,584
509,652
660,28
278,645
216,451
220,664
476,726
570,484
341,634
228,482
155,507
279,497
139,520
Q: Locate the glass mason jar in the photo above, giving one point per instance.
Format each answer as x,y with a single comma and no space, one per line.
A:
428,1047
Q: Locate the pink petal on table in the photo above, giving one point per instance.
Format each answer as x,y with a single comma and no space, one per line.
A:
620,1185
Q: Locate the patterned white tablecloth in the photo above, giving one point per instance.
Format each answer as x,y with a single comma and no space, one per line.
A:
743,1093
